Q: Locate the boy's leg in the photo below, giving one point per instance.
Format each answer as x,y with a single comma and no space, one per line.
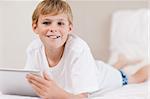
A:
140,76
123,61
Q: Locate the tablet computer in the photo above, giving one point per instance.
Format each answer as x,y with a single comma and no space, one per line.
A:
14,82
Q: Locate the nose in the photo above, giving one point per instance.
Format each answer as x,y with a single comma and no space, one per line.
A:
53,28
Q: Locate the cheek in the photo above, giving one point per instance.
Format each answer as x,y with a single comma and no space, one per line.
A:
42,31
65,31
65,37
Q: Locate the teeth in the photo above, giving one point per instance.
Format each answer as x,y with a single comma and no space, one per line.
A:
53,36
58,36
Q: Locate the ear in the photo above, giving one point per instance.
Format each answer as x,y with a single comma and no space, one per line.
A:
34,27
70,28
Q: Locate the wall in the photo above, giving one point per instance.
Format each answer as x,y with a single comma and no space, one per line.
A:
92,21
15,32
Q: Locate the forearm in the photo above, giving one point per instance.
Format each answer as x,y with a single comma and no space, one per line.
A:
72,96
47,88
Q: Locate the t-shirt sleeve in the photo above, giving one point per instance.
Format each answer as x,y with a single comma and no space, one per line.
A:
84,73
32,60
29,61
33,54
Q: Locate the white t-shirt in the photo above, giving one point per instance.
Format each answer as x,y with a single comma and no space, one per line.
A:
77,72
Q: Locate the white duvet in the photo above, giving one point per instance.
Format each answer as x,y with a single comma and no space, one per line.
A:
134,91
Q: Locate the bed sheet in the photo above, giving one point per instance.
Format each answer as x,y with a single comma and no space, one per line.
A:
132,91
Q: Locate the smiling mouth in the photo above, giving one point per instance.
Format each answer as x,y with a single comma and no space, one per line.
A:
53,36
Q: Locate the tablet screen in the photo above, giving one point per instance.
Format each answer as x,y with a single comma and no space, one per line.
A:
14,82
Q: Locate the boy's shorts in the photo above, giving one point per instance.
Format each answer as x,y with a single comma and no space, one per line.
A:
124,78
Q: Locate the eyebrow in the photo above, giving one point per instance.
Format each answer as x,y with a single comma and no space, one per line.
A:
47,19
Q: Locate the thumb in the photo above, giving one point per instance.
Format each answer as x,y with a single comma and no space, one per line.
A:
45,75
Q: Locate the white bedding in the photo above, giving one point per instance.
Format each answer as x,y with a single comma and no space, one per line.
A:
134,91
16,97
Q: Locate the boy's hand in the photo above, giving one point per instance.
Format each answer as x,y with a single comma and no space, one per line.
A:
45,87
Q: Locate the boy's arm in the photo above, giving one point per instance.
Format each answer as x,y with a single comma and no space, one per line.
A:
79,96
47,88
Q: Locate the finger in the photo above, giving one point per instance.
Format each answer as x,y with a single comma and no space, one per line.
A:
43,94
36,78
39,85
37,90
46,76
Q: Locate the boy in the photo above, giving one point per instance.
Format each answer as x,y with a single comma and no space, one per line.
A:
70,71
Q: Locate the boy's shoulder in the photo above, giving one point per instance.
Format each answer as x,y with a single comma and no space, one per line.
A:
75,43
35,44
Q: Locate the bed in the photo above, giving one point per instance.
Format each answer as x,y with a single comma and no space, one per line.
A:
129,35
135,91
130,40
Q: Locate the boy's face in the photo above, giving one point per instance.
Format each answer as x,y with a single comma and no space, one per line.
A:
53,30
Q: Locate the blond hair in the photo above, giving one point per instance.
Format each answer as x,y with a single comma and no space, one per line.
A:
53,7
